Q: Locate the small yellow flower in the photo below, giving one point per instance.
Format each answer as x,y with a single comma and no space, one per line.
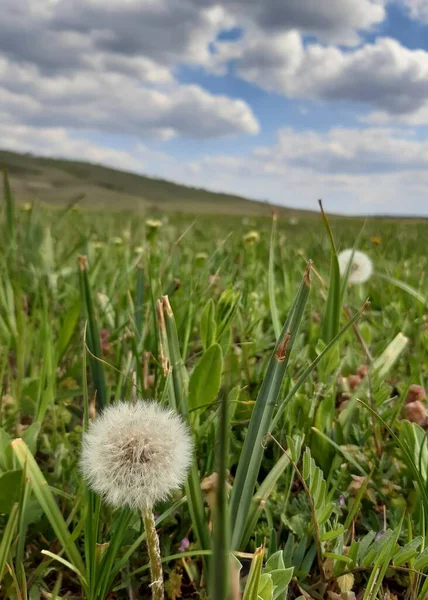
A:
252,237
376,240
26,207
139,250
117,241
153,223
200,258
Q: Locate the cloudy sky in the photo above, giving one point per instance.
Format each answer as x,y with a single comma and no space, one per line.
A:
283,100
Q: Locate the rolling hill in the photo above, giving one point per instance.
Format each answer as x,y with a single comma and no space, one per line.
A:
50,180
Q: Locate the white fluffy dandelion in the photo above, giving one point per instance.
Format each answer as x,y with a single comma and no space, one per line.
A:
359,264
136,454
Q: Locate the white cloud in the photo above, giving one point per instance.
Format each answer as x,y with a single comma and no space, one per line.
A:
117,103
384,75
57,142
109,67
376,170
337,21
417,9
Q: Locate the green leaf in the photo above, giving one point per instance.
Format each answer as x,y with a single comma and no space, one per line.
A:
281,576
10,489
208,325
205,380
254,576
67,329
6,453
30,436
265,590
334,533
407,552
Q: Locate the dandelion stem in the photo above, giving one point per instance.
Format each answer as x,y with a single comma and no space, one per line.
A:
154,554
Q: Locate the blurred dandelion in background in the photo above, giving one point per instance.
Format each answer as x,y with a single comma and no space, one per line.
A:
356,264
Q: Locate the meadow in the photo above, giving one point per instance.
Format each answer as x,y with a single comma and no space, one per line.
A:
304,402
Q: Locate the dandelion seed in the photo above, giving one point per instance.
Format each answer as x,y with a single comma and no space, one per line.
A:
359,264
136,454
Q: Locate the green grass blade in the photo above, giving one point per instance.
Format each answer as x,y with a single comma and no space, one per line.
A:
93,337
262,494
220,576
10,210
139,304
179,391
7,538
307,372
180,376
47,501
404,286
260,422
331,320
271,281
408,458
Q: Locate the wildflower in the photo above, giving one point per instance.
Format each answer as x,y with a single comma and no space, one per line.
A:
104,339
117,241
354,382
362,371
416,392
184,545
359,264
416,412
153,223
252,237
376,240
136,454
200,258
139,250
379,535
342,500
26,207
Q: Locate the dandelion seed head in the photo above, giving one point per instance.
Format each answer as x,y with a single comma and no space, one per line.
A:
136,454
361,267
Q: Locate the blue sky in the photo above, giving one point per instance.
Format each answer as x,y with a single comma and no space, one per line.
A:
280,101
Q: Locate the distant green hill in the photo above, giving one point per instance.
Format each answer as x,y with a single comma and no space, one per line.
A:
51,180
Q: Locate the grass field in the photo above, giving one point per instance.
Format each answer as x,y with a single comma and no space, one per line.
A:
306,482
